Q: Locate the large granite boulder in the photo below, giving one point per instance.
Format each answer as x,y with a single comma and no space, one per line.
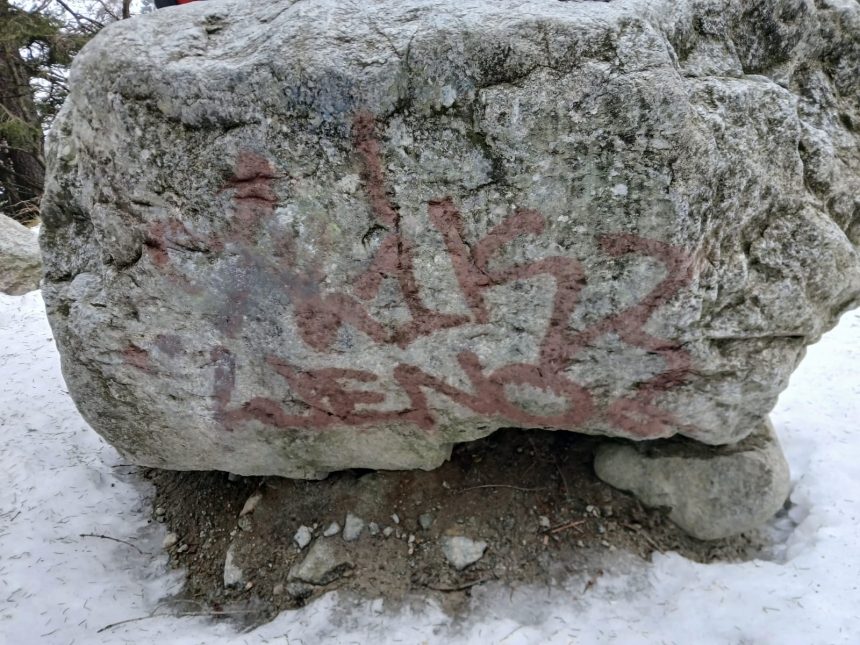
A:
297,236
20,262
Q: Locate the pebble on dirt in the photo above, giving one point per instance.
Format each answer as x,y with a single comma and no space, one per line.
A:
232,573
303,536
324,563
250,504
332,529
461,551
352,527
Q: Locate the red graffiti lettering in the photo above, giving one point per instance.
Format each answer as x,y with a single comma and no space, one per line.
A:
345,397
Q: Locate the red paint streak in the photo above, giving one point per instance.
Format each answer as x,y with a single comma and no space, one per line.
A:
253,197
366,144
333,396
137,357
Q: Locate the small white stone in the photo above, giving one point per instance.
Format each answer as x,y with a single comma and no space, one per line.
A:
352,527
303,536
461,551
395,518
169,540
544,522
619,190
232,573
332,529
387,531
250,504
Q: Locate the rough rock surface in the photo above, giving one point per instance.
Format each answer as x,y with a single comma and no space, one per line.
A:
293,237
712,492
20,263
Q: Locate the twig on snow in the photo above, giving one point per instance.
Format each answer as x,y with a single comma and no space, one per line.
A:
184,614
108,537
462,587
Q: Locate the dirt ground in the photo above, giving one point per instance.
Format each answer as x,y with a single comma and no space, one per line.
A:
531,496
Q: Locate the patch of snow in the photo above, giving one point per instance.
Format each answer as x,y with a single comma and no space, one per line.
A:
66,492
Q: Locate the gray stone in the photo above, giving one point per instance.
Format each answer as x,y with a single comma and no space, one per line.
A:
373,528
332,529
251,504
325,562
303,536
352,527
461,551
20,262
713,492
425,521
299,590
233,575
352,235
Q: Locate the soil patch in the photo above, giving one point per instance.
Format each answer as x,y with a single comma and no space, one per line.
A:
532,497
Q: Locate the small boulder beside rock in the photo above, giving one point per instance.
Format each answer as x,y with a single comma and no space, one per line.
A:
20,262
712,492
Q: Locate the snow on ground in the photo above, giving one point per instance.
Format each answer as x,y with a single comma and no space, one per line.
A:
62,485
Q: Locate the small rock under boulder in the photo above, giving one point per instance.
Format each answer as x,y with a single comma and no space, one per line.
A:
325,562
461,551
233,574
713,492
20,262
352,527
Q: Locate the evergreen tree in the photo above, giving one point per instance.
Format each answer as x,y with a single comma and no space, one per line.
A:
37,44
